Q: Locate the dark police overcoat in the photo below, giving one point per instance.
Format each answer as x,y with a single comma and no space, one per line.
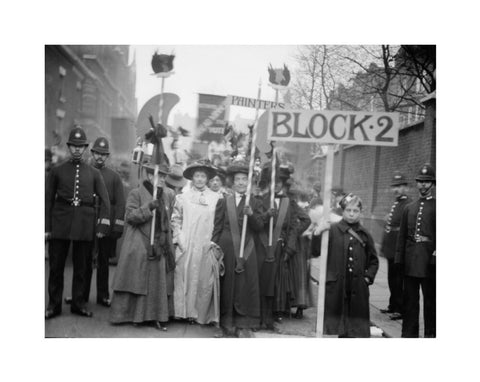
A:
419,218
392,227
116,194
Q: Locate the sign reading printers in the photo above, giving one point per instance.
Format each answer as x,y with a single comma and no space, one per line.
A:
329,126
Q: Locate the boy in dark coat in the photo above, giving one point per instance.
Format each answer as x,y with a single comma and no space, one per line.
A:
351,268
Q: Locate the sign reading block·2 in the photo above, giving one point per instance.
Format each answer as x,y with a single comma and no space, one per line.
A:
329,126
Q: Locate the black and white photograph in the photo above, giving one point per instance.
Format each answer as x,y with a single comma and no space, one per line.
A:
239,190
296,197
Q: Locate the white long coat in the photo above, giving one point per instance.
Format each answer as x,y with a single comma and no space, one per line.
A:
192,223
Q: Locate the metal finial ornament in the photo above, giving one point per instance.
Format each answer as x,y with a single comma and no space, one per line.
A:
279,77
162,64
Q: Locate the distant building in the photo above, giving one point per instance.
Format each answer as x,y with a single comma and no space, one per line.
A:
93,86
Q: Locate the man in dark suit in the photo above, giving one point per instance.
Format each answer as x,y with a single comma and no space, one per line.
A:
399,186
69,218
416,252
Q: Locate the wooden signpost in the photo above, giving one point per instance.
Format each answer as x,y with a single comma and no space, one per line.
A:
331,127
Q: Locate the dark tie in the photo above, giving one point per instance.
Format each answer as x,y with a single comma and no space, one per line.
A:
241,204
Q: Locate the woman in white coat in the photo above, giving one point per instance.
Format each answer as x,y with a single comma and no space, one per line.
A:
192,223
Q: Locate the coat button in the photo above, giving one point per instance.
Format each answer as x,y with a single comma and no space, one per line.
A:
350,258
350,248
350,269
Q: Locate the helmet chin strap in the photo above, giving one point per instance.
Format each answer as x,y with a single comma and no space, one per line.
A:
427,191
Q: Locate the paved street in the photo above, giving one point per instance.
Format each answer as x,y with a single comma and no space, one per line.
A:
69,325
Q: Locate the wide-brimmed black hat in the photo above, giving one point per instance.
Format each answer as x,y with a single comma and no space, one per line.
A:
199,166
398,179
101,146
237,167
282,173
221,173
150,168
426,174
175,177
77,137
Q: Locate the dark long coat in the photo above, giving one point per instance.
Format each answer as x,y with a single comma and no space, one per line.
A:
268,271
116,194
131,272
239,292
348,314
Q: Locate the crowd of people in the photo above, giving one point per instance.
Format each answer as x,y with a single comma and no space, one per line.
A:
206,247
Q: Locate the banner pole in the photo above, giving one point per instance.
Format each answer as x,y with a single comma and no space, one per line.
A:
250,170
272,184
155,173
327,194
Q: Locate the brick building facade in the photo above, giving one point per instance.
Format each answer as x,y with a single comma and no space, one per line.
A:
94,86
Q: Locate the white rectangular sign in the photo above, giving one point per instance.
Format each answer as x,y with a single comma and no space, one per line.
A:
329,126
253,103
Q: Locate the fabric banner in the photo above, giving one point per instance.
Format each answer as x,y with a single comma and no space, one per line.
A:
212,116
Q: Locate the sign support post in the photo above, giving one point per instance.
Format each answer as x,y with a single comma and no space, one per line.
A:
327,194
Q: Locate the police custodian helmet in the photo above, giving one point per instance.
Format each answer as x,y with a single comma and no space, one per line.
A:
101,146
398,179
77,137
426,174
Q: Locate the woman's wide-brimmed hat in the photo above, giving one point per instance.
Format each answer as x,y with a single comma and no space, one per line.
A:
199,166
237,167
221,173
175,177
150,168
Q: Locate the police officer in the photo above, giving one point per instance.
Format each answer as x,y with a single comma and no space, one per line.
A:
107,245
399,187
69,218
415,251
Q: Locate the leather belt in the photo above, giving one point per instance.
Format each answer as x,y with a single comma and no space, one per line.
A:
420,239
389,228
73,202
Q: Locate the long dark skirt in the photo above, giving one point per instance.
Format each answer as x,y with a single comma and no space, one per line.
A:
136,308
239,292
284,295
300,274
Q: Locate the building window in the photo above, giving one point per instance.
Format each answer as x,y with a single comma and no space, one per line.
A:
62,72
60,113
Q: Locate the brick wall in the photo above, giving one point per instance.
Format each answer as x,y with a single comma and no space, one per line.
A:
367,170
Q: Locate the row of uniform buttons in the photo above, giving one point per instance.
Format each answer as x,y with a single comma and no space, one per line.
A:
77,181
350,258
391,212
419,218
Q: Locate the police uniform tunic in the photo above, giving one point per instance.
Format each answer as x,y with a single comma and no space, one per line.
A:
69,202
415,248
69,217
107,245
389,242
